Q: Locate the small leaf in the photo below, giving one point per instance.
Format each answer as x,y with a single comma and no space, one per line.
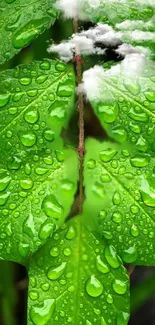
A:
76,278
21,22
120,200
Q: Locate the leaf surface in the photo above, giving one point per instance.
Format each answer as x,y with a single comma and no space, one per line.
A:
126,108
37,175
120,199
74,279
22,21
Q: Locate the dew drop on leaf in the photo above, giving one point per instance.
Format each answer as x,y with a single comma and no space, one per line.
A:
28,226
4,182
71,233
120,134
140,161
26,184
94,287
31,116
41,313
48,135
116,198
111,257
147,190
132,86
23,250
150,95
108,113
107,154
4,99
119,286
109,299
102,266
54,252
134,231
28,139
91,164
14,163
129,255
29,32
55,273
46,229
51,207
117,217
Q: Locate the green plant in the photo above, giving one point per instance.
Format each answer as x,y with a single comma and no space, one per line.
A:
75,267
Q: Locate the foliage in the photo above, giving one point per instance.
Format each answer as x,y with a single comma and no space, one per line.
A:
75,267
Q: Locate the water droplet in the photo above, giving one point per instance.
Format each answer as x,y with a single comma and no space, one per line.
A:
150,95
33,294
28,226
23,250
134,209
10,1
108,113
147,190
107,154
105,178
132,86
45,286
122,318
32,92
102,266
103,322
41,313
57,110
119,286
120,134
28,139
116,198
138,116
41,79
25,81
129,255
117,217
4,99
26,184
4,182
55,273
45,65
46,229
71,233
48,160
67,251
54,252
29,32
94,287
27,169
111,257
59,155
41,171
14,163
140,161
142,144
65,89
51,207
31,116
4,198
49,135
60,66
13,110
134,231
91,164
134,127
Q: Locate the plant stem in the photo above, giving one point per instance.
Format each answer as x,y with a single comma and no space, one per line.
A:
81,118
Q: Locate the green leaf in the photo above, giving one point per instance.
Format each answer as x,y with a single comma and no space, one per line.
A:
126,108
114,12
21,22
120,199
74,279
37,175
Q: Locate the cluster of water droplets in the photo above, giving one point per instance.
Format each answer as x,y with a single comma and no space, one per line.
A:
97,278
124,187
23,26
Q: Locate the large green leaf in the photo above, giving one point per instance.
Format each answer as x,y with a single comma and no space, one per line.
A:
126,108
76,278
21,22
120,199
37,176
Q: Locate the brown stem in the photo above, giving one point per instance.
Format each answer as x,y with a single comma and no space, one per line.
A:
81,118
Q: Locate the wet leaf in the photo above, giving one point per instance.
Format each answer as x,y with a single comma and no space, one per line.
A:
22,21
120,199
75,279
